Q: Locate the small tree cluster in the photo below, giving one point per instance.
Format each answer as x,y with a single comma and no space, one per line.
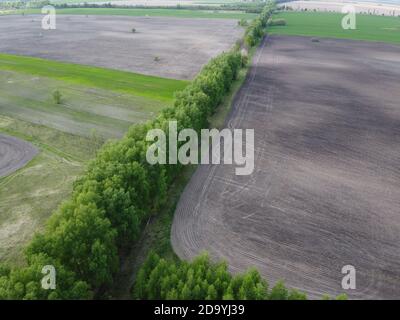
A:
204,280
25,283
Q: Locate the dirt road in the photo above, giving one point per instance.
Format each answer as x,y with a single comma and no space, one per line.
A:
14,154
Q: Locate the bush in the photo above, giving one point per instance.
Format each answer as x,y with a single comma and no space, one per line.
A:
243,23
245,58
276,22
57,96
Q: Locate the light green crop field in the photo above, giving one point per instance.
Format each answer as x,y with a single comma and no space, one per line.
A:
96,104
177,13
368,27
111,80
83,110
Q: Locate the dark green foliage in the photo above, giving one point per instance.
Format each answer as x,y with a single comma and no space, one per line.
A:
204,280
25,283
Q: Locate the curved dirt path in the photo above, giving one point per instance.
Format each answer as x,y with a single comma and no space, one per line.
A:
325,191
14,154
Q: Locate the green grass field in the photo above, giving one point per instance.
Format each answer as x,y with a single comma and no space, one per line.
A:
123,82
83,110
179,13
96,104
97,100
370,28
30,195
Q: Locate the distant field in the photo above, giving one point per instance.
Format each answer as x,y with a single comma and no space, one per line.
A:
124,82
96,104
164,47
94,99
177,13
371,28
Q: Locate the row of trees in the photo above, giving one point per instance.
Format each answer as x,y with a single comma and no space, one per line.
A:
250,7
203,280
24,4
255,31
111,202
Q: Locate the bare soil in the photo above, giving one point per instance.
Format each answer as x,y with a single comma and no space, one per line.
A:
166,47
325,191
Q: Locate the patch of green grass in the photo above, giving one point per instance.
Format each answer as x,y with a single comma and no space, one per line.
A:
178,13
114,80
84,111
27,199
64,145
370,28
31,194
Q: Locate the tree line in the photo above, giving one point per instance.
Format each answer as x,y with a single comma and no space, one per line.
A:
118,193
250,7
256,30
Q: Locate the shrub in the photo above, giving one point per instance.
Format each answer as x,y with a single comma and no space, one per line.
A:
57,96
277,22
243,23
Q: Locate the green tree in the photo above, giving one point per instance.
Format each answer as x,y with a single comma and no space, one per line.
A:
279,292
